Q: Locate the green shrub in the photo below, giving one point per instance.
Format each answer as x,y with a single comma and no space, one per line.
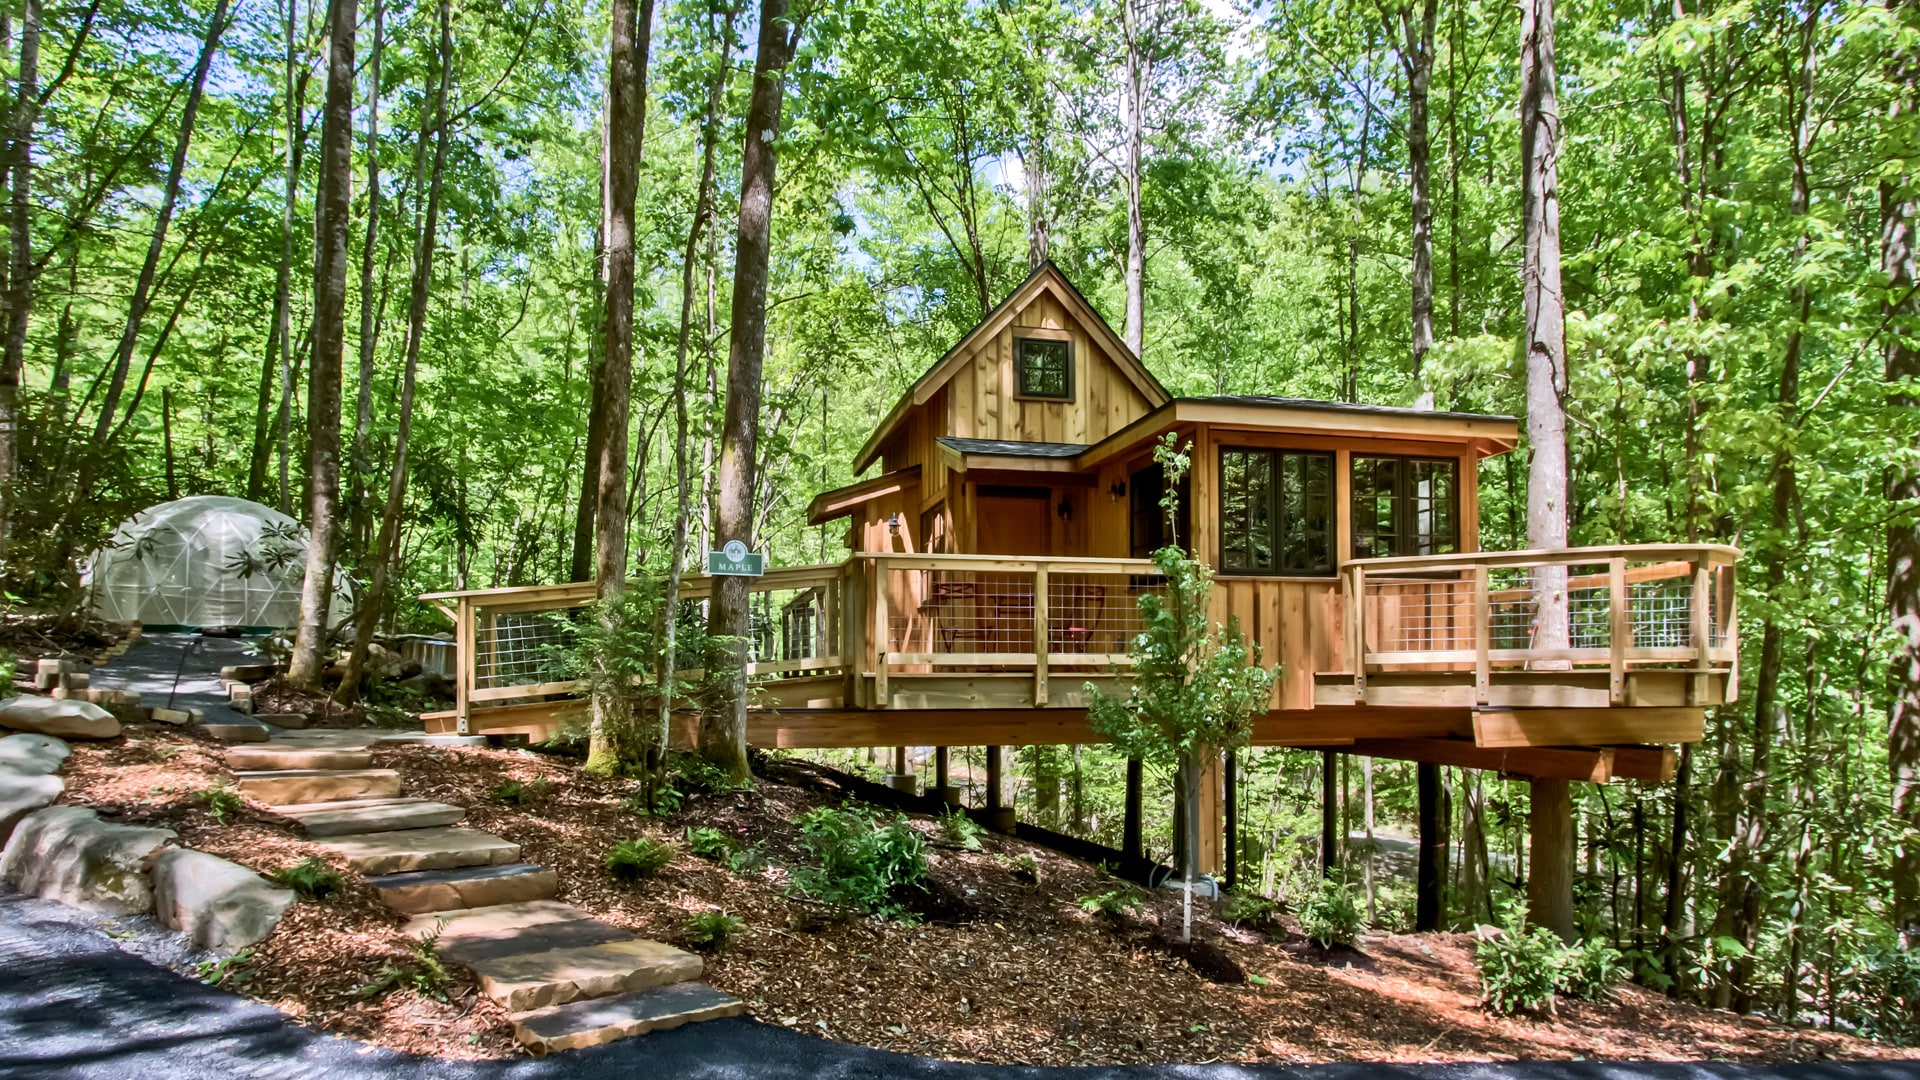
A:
1026,868
423,971
1246,909
1520,968
1330,916
959,830
631,860
747,860
1112,906
515,793
710,843
311,879
1885,986
1591,969
862,862
710,931
698,775
221,801
666,800
233,970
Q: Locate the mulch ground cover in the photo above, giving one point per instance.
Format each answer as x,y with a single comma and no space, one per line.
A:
1003,966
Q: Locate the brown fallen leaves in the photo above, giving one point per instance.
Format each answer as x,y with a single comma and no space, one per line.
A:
1010,970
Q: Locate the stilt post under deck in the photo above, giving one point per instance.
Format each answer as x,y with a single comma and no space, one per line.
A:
1233,818
1430,874
999,814
1329,814
1130,831
943,777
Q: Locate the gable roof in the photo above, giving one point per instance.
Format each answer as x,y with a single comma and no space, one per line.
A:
1004,448
1047,277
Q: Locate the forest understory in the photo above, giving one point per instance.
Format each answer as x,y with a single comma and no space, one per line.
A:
1002,964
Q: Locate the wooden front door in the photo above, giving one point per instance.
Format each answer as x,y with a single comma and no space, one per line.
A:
1013,521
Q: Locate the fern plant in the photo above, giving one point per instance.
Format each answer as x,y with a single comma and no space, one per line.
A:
630,860
710,931
310,879
711,844
222,803
1330,916
861,862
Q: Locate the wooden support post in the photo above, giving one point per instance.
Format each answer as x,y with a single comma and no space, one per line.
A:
1131,845
466,665
942,777
1619,628
999,814
1356,630
1430,875
1482,637
1550,857
902,778
1040,634
882,633
1329,814
1232,781
1701,633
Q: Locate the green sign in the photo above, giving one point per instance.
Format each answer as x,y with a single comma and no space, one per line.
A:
734,560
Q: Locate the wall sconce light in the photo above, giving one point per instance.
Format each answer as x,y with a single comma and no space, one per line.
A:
1117,490
893,524
1065,510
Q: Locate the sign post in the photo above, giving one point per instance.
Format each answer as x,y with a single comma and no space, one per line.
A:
734,560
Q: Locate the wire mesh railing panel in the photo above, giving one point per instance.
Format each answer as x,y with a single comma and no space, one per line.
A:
1096,614
1661,612
521,648
959,611
1426,615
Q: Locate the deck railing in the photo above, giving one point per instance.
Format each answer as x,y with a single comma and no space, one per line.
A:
993,614
1619,608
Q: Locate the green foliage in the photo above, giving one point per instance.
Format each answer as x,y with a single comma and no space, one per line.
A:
860,861
229,971
1520,969
711,844
1113,906
1591,969
222,802
694,774
959,830
1330,916
423,971
1885,985
748,860
613,650
1250,909
710,931
522,794
630,860
311,879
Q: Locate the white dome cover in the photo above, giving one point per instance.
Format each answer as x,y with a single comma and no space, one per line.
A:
208,560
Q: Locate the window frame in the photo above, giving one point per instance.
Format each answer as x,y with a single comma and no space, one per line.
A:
1276,521
1020,343
1403,503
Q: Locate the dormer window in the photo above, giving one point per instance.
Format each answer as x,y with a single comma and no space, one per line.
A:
1044,367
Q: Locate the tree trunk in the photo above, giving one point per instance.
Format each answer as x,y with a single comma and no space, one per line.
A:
1550,887
1675,926
19,280
122,361
683,487
386,546
1418,61
723,734
1899,219
333,213
269,420
626,122
1430,873
1136,76
360,499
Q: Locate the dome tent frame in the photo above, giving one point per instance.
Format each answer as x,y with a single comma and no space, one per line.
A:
203,561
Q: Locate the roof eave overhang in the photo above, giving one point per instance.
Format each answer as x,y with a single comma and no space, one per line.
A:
1487,435
838,503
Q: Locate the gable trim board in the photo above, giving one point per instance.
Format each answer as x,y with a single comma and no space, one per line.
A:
1047,278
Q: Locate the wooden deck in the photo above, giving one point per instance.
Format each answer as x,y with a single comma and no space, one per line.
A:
1452,658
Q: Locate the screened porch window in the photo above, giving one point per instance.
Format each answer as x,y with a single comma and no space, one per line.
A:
1276,512
1405,506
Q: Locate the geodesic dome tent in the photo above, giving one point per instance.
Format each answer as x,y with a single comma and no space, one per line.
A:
206,561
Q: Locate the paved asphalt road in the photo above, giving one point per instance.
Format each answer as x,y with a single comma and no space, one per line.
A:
75,1004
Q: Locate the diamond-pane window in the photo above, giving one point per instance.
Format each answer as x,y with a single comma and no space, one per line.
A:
1045,367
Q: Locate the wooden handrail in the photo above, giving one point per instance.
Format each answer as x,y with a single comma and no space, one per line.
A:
1711,554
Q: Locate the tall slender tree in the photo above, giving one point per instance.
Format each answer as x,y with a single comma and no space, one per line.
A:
723,735
333,211
626,127
1899,236
1550,885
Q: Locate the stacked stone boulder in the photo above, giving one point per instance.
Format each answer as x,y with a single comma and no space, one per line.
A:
27,781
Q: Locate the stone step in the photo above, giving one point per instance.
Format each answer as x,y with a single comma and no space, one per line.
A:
419,891
274,756
479,934
581,1024
422,849
236,731
525,981
286,787
352,816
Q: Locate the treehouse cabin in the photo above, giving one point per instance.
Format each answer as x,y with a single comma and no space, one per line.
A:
998,552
